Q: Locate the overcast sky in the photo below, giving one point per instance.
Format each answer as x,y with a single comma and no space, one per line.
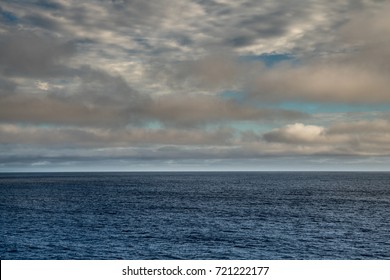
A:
127,85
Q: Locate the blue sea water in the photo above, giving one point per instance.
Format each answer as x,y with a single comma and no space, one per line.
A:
232,215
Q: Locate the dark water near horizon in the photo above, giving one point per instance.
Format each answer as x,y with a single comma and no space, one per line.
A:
232,215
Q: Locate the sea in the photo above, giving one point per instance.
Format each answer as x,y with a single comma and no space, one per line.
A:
195,215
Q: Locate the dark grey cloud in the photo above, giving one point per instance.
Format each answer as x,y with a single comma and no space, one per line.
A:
6,86
41,21
272,24
99,88
140,12
98,99
29,54
72,137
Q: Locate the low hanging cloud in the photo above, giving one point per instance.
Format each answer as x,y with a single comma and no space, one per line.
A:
296,133
366,138
361,138
103,137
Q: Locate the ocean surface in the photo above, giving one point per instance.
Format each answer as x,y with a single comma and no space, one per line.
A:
211,215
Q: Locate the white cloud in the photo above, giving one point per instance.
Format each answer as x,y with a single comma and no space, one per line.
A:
298,133
369,138
42,85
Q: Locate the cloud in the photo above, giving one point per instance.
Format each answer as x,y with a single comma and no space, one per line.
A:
33,55
363,127
104,137
95,98
42,85
356,75
218,69
190,110
89,108
369,138
322,82
293,147
50,110
353,66
6,86
190,81
295,133
366,138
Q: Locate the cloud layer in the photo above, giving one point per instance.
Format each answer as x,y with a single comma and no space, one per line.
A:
193,81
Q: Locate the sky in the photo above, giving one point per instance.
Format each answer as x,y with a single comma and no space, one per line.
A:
203,85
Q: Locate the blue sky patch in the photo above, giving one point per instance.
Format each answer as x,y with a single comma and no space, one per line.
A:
270,59
8,17
313,108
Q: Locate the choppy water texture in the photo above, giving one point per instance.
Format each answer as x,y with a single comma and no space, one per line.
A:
195,216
